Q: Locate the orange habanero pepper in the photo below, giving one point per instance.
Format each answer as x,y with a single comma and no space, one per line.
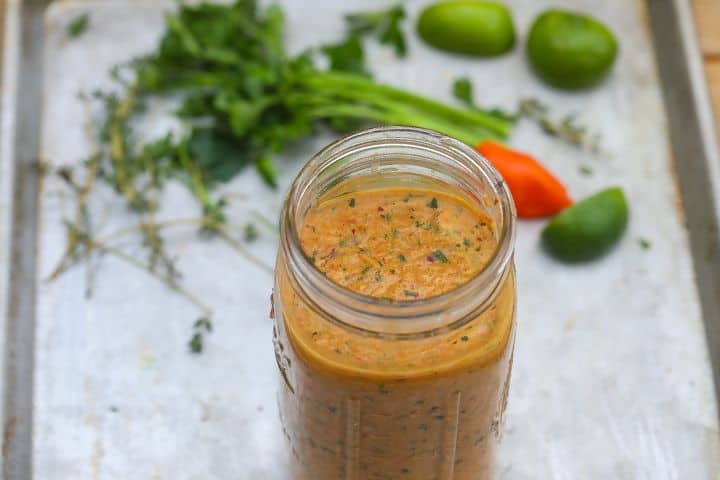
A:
537,193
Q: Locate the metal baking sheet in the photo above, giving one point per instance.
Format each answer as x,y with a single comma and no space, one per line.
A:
613,371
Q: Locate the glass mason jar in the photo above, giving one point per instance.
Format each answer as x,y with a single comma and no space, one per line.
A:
379,389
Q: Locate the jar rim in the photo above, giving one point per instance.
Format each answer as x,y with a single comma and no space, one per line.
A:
365,311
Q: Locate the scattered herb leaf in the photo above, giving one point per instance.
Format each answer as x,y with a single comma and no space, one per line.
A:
384,24
201,326
196,343
347,56
586,170
78,25
203,323
463,91
250,232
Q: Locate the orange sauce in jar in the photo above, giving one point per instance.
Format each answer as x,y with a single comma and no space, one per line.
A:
359,406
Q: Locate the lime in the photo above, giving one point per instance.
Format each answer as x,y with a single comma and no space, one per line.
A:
589,228
469,27
570,50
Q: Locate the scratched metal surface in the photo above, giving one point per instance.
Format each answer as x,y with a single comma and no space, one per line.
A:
612,375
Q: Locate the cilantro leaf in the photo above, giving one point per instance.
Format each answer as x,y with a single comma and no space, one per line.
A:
218,155
463,91
384,24
347,56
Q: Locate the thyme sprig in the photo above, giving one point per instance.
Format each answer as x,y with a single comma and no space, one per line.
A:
567,128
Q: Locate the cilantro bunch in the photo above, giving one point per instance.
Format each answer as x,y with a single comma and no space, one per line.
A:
244,98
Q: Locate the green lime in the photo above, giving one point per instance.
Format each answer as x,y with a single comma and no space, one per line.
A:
589,228
569,50
470,27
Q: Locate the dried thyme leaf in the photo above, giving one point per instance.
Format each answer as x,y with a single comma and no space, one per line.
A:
566,129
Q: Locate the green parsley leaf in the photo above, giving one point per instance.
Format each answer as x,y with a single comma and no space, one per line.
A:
433,203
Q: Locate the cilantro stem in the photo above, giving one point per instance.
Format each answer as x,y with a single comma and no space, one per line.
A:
363,89
398,118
